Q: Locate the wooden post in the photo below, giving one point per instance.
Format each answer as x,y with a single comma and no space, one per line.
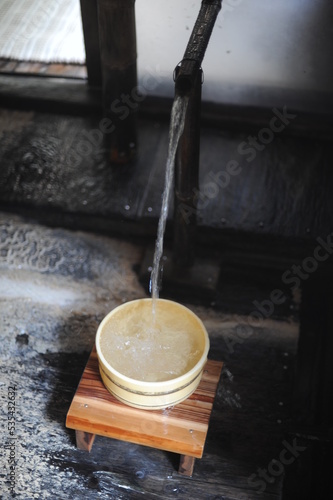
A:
91,41
186,465
116,20
187,180
313,389
84,440
309,476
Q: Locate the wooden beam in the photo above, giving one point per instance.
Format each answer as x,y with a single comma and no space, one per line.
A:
116,22
91,41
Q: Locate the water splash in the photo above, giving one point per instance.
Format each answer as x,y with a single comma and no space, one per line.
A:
176,129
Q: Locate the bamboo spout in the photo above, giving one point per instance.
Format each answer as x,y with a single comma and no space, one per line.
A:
197,45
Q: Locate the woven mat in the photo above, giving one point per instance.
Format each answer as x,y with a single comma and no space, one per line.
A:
47,31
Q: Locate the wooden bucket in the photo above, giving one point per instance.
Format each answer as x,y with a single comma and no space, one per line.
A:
151,365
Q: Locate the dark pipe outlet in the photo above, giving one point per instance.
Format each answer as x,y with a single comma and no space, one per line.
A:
186,71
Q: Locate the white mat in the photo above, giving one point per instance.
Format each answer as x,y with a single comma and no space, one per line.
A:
41,31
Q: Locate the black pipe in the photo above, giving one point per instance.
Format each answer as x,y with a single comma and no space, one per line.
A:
188,80
197,45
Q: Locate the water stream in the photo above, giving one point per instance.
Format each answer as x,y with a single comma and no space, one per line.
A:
176,129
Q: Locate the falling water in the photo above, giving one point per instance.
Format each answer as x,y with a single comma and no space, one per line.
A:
176,129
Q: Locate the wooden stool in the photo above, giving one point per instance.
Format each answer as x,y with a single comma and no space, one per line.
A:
180,429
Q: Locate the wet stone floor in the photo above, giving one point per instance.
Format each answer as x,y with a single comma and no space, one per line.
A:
56,285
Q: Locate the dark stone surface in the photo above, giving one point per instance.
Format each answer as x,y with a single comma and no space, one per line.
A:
51,304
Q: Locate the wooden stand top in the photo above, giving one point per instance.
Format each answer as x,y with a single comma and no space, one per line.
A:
180,429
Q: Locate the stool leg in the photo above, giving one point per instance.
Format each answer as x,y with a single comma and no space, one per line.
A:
186,465
84,440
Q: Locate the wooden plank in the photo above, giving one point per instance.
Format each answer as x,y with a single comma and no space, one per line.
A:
26,67
180,429
23,68
66,70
